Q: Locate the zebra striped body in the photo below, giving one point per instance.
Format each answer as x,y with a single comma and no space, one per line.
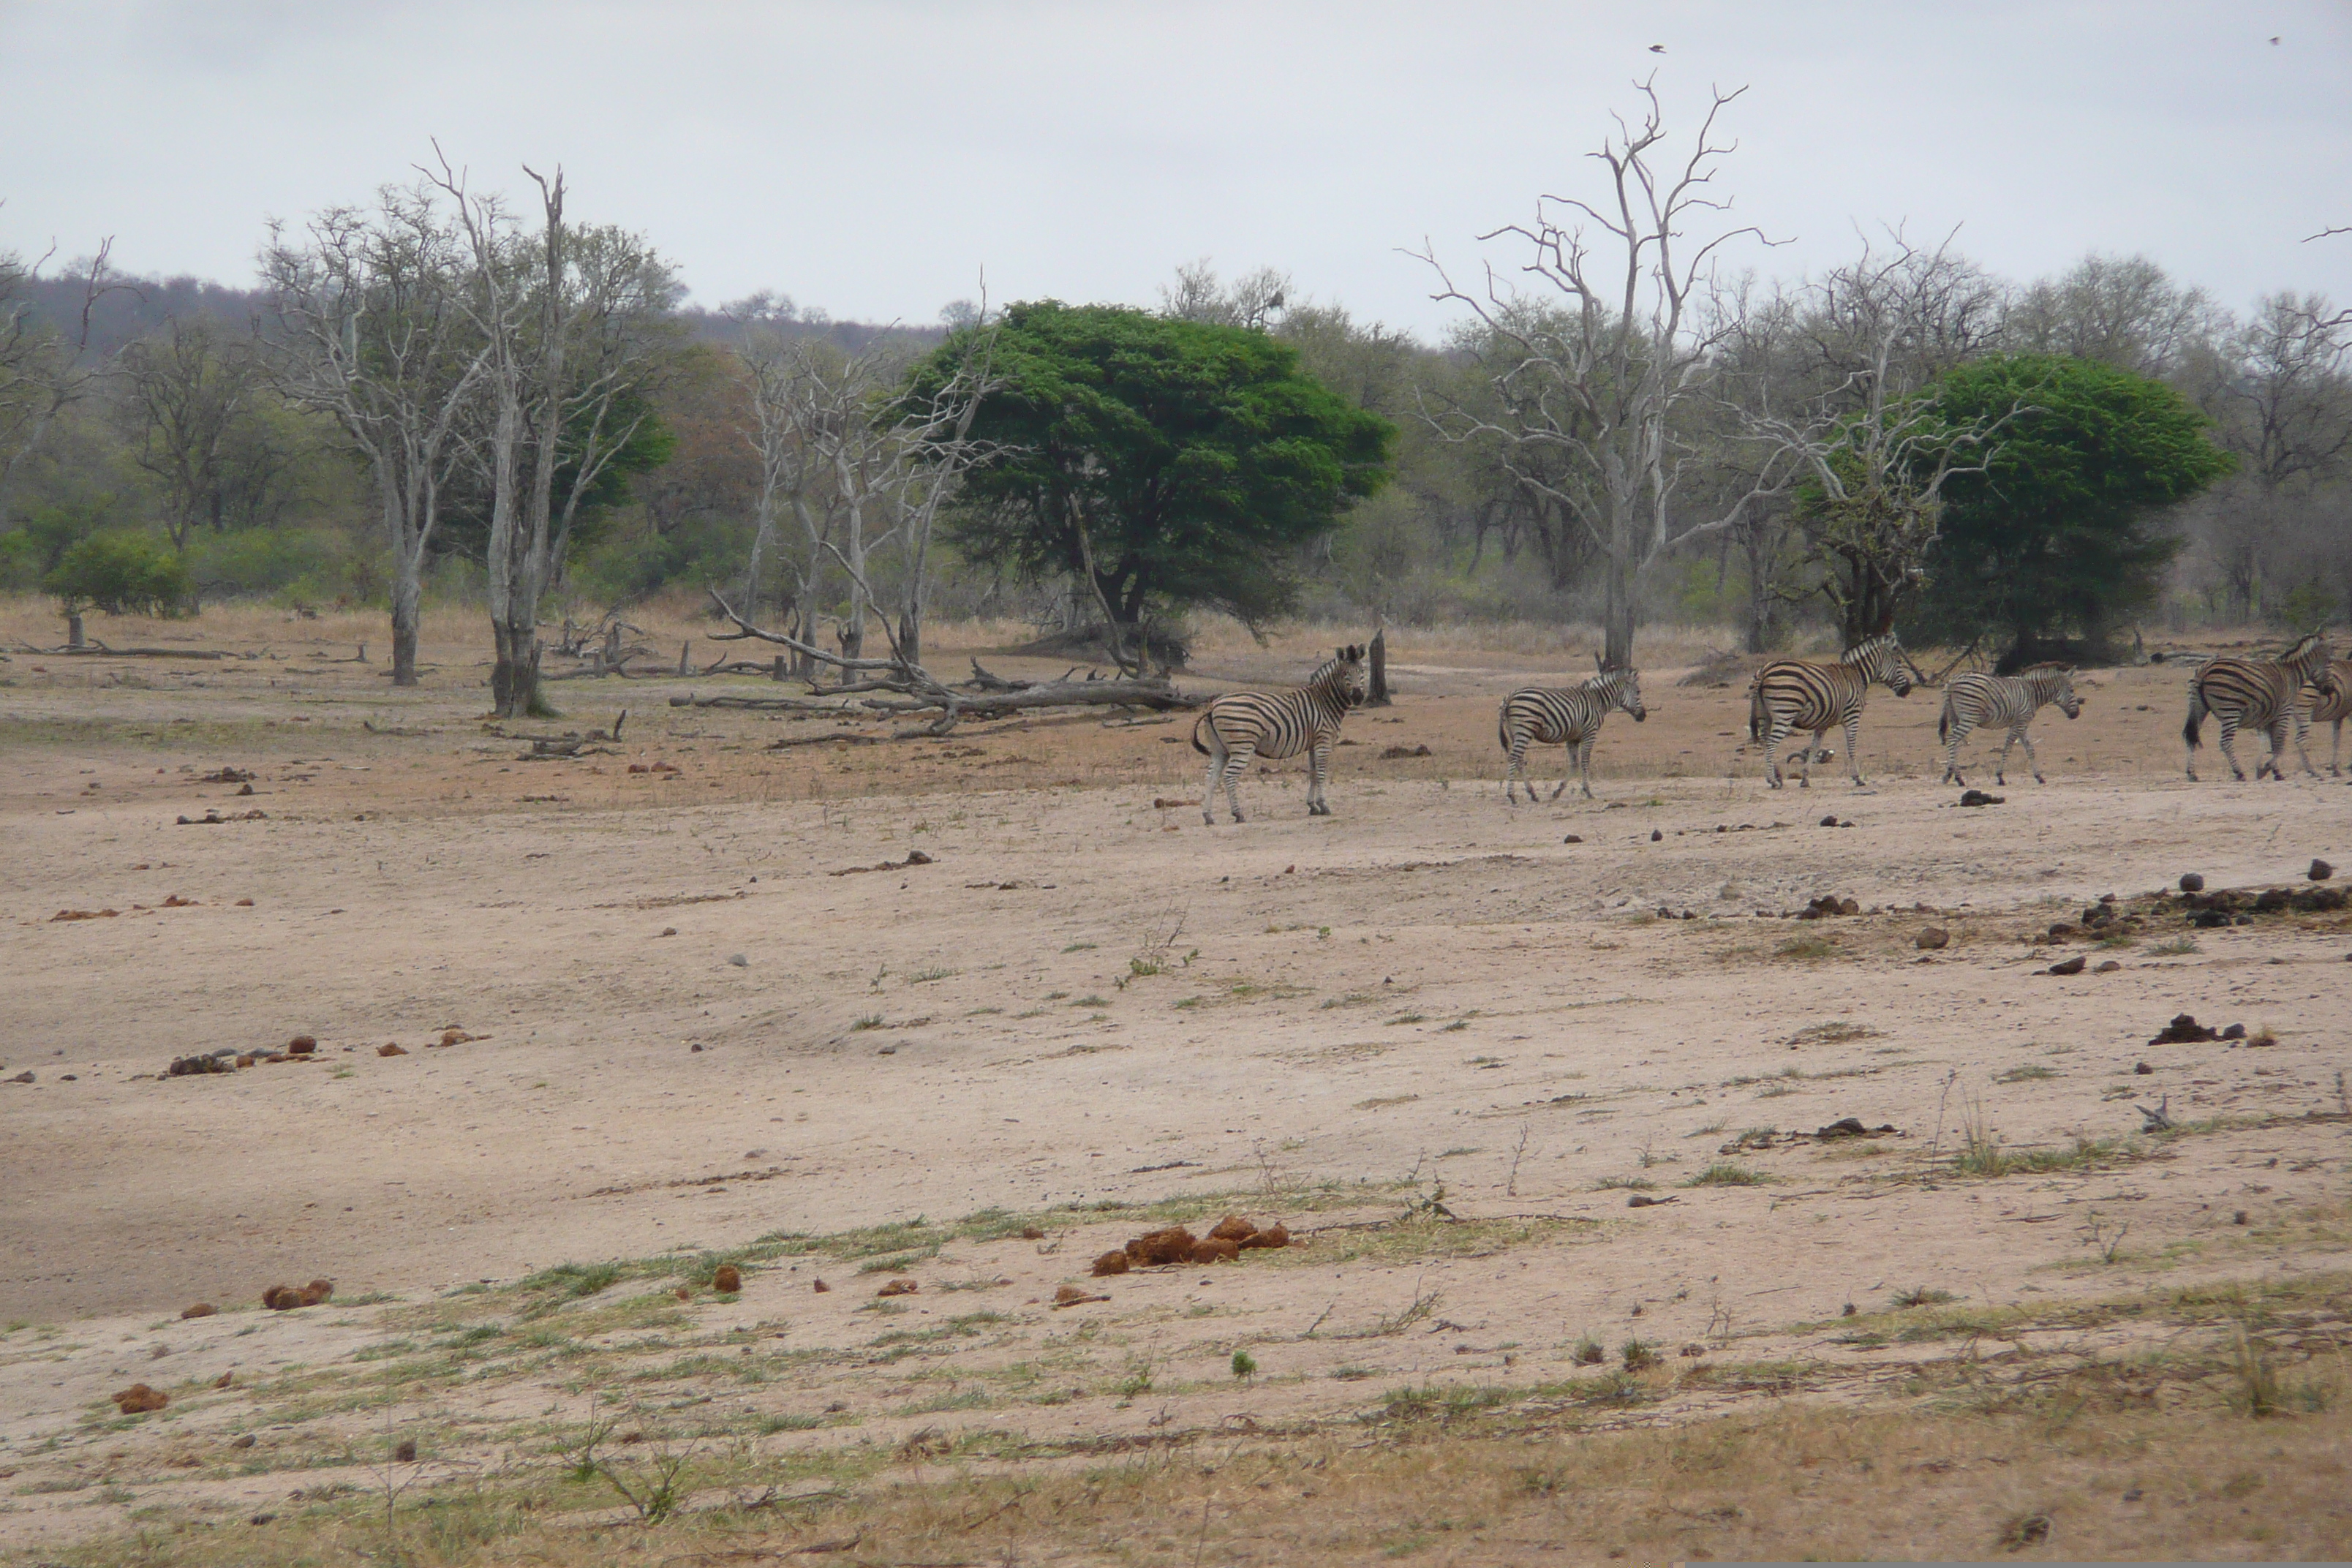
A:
1974,701
2258,694
1568,716
1243,724
1802,694
2331,703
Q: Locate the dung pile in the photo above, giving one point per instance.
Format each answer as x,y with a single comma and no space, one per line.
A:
1226,1241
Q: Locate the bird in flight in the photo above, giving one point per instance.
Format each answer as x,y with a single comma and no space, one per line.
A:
1660,48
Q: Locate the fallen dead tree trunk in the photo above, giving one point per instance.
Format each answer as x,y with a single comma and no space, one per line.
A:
97,649
1151,694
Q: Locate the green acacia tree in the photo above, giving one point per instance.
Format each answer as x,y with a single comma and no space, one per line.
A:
1159,462
2058,538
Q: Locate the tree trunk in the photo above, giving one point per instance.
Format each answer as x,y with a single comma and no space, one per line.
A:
74,637
911,638
408,596
1617,622
1380,692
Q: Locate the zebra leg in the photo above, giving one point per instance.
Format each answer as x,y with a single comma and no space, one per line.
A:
1952,753
1853,751
1318,773
1237,764
1774,734
2302,733
1584,764
2030,760
2230,745
1517,759
1567,761
1209,788
1812,749
2335,746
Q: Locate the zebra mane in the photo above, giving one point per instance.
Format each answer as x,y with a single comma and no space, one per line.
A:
2311,648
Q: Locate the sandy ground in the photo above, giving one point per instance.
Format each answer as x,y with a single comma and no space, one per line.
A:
697,1023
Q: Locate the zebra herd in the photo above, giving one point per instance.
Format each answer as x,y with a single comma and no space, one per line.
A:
1787,696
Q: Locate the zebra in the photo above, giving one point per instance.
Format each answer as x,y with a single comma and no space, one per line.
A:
2258,694
1805,694
1243,724
1975,701
1568,716
2331,703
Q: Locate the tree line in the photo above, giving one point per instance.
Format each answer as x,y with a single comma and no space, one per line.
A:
1626,424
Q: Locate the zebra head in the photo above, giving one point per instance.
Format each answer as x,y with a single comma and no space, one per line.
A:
2055,683
2308,659
1344,676
1619,686
1882,658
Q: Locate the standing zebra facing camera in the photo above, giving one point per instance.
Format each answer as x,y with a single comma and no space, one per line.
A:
1564,716
2259,694
1980,701
2331,703
1243,724
1806,694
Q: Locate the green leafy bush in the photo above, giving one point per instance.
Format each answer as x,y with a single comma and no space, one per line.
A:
122,574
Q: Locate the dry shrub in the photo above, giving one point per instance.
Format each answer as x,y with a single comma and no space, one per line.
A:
1274,1234
138,1399
281,1298
316,1290
1110,1263
391,1050
301,1046
728,1279
1233,1227
897,1288
819,1287
200,1310
1215,1249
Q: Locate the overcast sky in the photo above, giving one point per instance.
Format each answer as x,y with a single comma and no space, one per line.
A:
871,157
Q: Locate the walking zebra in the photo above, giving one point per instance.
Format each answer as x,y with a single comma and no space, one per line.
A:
2331,703
1803,694
2258,694
1972,701
1568,716
1243,724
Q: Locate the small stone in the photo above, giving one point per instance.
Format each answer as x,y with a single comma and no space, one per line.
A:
200,1310
1655,836
138,1399
2235,1032
2192,883
1573,839
2067,966
2109,967
819,1286
739,961
695,1047
243,1442
223,1381
1830,821
1934,937
301,1046
2142,1068
391,1050
2320,871
2238,1217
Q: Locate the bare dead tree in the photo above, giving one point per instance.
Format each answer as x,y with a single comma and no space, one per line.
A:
568,320
370,328
191,386
44,370
1857,417
1591,390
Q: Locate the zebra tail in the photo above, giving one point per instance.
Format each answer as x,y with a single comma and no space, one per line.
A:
1944,722
1196,734
2196,718
1755,711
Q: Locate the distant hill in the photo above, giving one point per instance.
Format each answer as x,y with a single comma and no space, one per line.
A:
130,308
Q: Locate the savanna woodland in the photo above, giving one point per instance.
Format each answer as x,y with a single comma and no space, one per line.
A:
612,955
